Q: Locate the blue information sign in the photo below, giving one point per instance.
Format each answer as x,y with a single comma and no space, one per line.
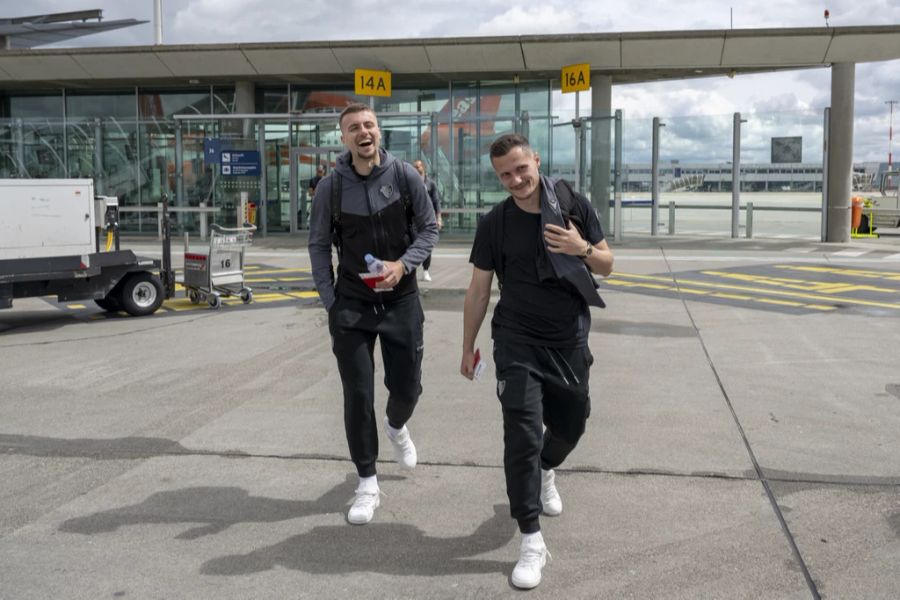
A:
243,163
212,148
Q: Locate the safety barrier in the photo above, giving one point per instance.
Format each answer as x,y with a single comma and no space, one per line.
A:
203,210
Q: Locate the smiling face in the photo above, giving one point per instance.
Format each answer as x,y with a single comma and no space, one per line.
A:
518,172
360,134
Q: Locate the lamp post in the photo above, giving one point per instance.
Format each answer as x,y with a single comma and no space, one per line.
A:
891,103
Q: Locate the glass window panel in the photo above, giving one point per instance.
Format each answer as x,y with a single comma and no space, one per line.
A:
223,100
9,165
31,107
272,100
165,104
43,151
103,106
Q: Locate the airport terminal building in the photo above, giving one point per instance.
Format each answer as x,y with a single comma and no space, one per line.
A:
144,121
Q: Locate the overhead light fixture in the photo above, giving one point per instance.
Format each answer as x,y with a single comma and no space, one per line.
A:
698,70
193,81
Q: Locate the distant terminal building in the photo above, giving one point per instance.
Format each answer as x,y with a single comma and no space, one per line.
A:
144,121
755,177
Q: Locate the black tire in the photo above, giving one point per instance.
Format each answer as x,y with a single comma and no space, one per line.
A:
214,300
246,295
109,303
141,294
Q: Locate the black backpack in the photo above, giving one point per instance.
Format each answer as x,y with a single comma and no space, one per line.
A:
337,188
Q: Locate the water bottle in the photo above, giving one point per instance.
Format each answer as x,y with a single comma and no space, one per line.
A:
374,264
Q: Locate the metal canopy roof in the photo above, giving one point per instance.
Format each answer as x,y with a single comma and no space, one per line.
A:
39,30
625,57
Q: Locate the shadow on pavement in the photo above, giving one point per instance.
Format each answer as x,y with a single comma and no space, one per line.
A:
218,507
389,548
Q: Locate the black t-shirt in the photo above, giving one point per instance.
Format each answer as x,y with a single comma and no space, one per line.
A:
530,311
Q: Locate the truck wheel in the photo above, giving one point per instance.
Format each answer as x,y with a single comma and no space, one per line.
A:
141,294
214,300
109,303
194,296
246,295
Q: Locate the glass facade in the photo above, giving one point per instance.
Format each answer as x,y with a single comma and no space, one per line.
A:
142,143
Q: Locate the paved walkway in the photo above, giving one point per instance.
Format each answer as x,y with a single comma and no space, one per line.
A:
743,441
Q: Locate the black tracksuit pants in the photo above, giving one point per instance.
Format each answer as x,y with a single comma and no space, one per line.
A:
539,387
354,325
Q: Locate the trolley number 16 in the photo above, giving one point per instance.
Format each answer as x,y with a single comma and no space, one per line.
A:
226,263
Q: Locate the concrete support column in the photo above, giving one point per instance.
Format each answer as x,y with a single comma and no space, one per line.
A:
245,103
840,152
601,159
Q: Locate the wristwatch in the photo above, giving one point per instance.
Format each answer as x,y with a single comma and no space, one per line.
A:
587,251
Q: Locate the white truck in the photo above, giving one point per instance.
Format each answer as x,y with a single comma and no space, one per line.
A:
50,245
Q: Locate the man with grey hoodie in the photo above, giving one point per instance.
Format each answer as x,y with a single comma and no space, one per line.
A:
370,204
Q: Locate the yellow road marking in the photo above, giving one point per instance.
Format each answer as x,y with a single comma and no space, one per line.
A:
273,271
705,284
285,279
822,287
864,273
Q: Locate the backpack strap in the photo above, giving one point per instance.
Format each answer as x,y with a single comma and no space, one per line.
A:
336,199
401,177
497,217
566,197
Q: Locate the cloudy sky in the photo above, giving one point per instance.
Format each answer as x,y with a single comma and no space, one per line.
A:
783,104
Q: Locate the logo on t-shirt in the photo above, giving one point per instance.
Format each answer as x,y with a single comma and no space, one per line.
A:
387,191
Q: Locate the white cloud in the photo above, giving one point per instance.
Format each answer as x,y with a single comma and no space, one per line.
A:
520,20
230,21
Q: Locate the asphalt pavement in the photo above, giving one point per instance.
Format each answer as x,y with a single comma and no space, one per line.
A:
742,444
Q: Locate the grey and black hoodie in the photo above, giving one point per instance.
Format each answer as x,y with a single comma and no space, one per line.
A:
373,221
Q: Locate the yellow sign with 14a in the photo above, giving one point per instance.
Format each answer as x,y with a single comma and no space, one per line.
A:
576,78
372,83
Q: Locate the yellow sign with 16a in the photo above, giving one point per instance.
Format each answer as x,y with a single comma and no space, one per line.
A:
576,78
372,83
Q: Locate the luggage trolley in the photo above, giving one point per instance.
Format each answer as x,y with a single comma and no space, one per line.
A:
219,271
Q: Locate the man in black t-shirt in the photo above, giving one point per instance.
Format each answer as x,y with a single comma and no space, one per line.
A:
540,329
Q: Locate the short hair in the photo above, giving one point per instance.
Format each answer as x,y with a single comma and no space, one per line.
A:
504,144
353,107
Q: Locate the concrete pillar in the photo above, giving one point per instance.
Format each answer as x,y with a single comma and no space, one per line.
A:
245,103
601,159
840,152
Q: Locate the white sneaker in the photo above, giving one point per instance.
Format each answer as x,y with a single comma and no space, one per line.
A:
550,499
426,275
364,506
533,556
404,449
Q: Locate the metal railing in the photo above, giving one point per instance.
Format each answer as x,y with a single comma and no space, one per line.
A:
203,210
